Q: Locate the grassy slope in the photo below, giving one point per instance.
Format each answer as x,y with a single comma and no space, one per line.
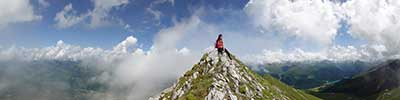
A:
393,94
199,85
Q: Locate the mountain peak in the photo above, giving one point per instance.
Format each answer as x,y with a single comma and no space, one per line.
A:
222,76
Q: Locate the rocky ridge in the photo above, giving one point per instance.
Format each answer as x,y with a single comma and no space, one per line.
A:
220,76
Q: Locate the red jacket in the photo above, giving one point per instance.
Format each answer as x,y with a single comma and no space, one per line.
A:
219,44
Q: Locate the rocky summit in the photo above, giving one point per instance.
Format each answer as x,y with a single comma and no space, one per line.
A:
223,76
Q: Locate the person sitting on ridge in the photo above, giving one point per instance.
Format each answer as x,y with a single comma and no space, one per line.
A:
219,44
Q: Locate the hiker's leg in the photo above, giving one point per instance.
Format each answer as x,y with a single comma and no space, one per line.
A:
227,52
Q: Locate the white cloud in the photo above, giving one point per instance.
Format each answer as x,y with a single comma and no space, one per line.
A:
168,38
172,2
164,61
99,15
310,20
334,53
128,43
101,11
14,11
377,21
68,17
44,3
156,13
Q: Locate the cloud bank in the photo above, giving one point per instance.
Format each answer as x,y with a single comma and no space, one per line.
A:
365,53
318,21
126,71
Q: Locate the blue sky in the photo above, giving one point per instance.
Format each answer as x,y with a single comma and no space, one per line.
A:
144,24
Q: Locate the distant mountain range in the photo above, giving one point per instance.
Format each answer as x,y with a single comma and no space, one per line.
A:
380,82
310,74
